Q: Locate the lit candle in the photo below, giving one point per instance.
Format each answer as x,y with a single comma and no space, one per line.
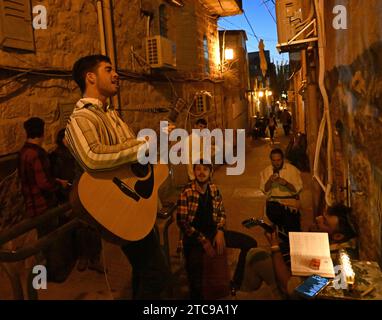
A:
347,268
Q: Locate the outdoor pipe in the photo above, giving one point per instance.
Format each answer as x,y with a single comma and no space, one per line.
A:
101,27
326,116
109,38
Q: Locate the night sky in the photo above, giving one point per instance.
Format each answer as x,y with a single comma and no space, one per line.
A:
262,23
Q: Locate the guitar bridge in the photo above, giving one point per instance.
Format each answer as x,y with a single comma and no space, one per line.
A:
126,189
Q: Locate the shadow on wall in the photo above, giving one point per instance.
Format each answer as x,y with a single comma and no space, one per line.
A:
355,93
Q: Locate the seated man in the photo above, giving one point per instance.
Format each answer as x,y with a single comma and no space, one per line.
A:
281,183
274,269
201,218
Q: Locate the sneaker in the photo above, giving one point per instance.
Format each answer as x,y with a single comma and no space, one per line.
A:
82,264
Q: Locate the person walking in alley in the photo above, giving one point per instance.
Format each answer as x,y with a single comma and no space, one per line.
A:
281,183
272,125
196,153
201,218
286,120
100,140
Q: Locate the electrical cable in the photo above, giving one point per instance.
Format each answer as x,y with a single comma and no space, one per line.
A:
266,5
246,18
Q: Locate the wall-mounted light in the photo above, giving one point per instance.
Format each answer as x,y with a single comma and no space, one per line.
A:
261,94
228,54
269,93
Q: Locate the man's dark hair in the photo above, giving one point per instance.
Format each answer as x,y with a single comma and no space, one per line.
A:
34,127
84,65
345,226
201,121
205,163
277,151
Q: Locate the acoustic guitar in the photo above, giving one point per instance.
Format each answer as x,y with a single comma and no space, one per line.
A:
125,200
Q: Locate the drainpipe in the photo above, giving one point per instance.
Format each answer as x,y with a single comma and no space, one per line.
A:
101,27
109,38
326,121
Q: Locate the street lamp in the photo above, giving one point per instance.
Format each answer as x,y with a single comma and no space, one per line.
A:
228,54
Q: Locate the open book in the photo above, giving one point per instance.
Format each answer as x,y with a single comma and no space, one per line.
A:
307,251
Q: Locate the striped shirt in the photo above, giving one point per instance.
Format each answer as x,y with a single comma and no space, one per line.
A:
100,140
188,205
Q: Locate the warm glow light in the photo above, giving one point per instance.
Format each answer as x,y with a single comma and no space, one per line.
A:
347,268
228,54
261,94
269,93
216,53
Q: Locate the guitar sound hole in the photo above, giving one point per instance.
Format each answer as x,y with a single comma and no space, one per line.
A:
140,170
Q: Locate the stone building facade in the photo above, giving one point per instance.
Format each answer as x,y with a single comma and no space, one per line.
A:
35,71
235,73
353,83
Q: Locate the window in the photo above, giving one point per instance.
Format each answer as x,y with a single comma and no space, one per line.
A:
202,103
16,24
206,55
163,20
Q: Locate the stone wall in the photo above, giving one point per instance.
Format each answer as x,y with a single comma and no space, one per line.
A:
354,84
66,38
72,31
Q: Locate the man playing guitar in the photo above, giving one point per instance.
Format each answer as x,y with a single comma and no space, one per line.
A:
101,141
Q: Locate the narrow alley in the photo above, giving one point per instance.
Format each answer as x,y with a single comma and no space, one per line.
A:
106,108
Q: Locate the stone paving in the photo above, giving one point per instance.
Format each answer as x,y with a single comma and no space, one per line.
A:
242,199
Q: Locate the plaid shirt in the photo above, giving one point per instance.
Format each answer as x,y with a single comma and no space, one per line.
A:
188,205
37,183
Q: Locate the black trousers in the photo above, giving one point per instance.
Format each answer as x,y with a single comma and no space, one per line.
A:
88,242
272,131
151,272
193,253
286,128
286,219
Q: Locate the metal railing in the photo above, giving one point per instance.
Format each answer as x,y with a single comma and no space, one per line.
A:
29,250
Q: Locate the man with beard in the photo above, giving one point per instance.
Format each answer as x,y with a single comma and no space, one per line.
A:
273,267
281,183
100,140
201,218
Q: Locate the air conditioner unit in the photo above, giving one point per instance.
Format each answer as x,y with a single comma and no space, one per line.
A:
202,103
160,52
289,14
293,32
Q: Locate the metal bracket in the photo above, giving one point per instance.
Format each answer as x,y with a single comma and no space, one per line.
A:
295,43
